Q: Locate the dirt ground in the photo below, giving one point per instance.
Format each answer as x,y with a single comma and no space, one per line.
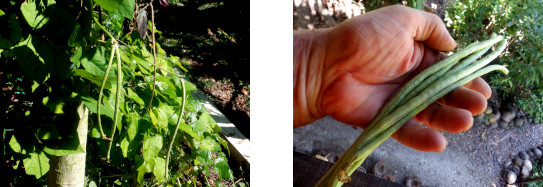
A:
472,158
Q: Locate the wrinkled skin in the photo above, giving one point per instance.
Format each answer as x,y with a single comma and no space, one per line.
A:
350,71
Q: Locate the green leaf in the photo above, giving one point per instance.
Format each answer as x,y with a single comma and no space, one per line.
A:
141,173
2,13
126,9
151,147
205,123
187,129
124,146
109,5
35,12
95,133
92,184
76,58
48,131
94,61
14,145
91,105
94,78
62,149
15,34
154,119
132,127
132,95
76,37
221,165
158,170
209,144
36,164
31,62
5,43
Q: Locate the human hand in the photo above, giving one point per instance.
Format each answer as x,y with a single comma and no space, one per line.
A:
349,72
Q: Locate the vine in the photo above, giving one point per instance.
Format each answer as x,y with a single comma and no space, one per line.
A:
62,60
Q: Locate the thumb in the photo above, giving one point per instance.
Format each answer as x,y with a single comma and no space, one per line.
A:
431,30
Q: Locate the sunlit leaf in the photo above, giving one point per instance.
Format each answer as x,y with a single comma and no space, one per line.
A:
126,9
36,164
110,5
159,168
35,12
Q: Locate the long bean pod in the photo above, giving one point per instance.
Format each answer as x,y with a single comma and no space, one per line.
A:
416,95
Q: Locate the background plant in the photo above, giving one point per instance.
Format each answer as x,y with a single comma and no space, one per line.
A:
520,22
57,55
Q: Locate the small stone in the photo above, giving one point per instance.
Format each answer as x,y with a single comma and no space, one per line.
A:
493,118
516,170
524,173
503,124
525,120
523,155
530,120
511,185
379,169
527,164
511,177
488,109
493,125
519,122
413,181
517,161
537,152
508,115
530,153
508,165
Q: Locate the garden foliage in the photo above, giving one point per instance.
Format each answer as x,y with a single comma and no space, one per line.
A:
522,23
58,56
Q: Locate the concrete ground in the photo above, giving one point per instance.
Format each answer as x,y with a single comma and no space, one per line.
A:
472,158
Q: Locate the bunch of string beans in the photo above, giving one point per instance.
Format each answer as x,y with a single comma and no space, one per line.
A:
421,91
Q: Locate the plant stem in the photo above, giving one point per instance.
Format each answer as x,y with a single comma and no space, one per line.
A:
176,127
405,105
154,55
117,99
104,29
101,93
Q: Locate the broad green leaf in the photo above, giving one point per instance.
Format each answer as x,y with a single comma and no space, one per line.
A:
126,9
124,146
109,5
95,78
31,62
76,58
92,184
2,13
151,147
15,34
62,149
95,61
154,119
95,133
76,37
14,145
132,127
34,12
132,95
205,123
141,172
209,144
36,164
5,43
158,170
48,131
221,165
91,105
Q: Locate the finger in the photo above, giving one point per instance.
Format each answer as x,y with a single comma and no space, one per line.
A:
480,85
421,138
430,58
429,29
465,98
445,118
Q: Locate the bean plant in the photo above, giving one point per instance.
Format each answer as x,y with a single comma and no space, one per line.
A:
144,126
521,23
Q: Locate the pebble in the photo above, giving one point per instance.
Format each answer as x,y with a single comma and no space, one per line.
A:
493,125
508,165
537,152
503,124
516,170
517,161
511,177
524,173
493,118
488,109
519,122
507,116
527,164
523,155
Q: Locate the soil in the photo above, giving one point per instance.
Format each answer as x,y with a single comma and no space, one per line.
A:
213,44
472,158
